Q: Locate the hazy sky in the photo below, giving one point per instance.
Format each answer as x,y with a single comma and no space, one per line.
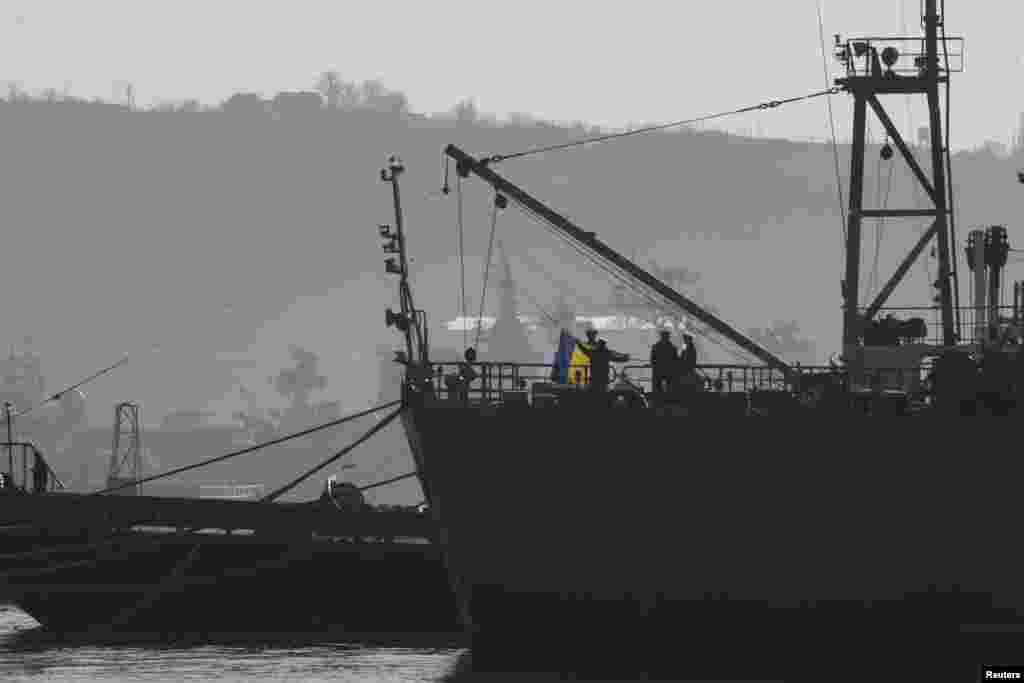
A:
641,61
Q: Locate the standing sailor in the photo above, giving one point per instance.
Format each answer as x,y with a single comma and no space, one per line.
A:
688,363
467,374
591,342
664,357
580,370
601,358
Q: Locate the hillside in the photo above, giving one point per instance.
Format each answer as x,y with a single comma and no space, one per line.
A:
217,232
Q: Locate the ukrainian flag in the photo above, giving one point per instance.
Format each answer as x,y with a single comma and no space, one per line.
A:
569,360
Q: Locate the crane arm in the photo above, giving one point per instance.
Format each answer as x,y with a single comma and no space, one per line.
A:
465,164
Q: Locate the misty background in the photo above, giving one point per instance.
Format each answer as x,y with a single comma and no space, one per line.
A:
205,234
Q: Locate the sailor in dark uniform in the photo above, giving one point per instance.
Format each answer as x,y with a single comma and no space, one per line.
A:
688,363
467,374
40,474
664,358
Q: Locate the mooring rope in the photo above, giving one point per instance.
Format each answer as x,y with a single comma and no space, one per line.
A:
250,449
343,452
392,480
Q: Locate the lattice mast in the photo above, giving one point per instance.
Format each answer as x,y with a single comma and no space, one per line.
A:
126,453
911,66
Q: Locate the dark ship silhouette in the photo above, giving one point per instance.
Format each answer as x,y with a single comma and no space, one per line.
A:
665,536
206,555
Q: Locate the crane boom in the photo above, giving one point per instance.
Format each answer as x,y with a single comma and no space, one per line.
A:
466,164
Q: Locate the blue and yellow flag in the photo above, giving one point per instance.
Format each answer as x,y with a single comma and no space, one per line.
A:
569,360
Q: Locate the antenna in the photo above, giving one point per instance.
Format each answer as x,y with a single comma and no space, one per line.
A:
409,320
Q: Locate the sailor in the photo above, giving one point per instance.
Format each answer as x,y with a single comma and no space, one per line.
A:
601,358
664,357
688,362
40,474
592,339
467,374
582,375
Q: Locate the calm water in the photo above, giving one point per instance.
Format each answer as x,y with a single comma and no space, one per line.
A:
21,660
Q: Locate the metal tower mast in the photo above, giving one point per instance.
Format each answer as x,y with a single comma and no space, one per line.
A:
911,66
126,454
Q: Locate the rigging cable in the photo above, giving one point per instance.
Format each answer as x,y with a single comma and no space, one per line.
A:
540,309
57,396
656,300
905,29
385,482
771,104
552,321
487,267
249,449
916,187
462,254
832,126
271,497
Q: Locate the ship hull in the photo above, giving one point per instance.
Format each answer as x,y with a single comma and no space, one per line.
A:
606,527
316,590
136,567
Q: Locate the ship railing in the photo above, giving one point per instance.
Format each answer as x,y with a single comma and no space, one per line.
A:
733,378
494,382
908,59
506,382
718,377
27,469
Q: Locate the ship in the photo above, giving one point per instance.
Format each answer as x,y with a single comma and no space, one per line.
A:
114,564
666,536
204,532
